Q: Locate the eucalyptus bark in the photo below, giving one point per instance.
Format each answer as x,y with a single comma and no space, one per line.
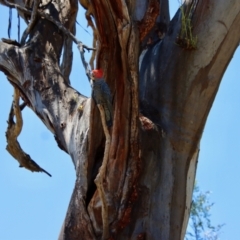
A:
163,93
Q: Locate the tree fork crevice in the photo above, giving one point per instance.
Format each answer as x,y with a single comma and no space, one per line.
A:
125,88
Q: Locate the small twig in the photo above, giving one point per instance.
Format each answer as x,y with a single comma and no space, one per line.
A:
85,64
83,28
100,177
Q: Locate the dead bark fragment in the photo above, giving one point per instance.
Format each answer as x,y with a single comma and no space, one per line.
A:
13,131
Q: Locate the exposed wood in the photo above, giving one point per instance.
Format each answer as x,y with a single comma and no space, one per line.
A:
149,18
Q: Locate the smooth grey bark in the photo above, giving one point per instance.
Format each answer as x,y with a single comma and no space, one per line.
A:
178,96
159,114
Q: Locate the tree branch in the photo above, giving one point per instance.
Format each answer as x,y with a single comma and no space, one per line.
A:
32,21
61,108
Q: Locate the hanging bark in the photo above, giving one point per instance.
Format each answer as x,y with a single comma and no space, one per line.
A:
163,91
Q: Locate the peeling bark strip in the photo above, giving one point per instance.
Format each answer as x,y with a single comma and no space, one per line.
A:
159,114
13,131
101,176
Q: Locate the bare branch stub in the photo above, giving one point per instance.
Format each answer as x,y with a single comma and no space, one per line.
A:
10,41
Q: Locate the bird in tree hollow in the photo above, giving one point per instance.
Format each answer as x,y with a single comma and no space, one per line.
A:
102,94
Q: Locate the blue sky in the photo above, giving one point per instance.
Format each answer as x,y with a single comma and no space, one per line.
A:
33,205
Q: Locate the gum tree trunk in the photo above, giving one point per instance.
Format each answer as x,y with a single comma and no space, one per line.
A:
163,91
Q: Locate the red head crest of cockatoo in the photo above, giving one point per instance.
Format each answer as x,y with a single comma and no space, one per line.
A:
97,73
